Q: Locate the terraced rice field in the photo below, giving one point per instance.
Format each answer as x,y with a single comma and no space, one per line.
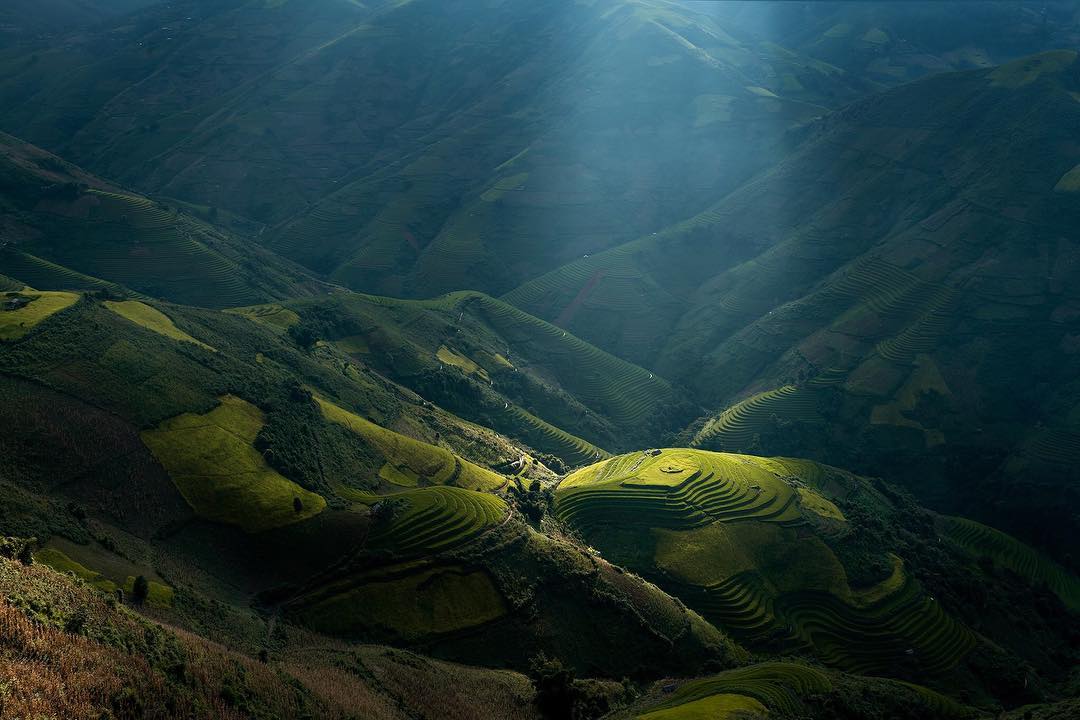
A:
624,392
681,489
434,519
145,246
1008,552
779,687
904,626
213,462
274,316
406,601
733,538
16,323
921,336
735,428
1056,446
152,319
40,273
545,437
412,458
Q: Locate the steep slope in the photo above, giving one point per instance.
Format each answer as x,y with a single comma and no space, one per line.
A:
63,228
453,147
893,277
895,42
792,556
207,453
493,364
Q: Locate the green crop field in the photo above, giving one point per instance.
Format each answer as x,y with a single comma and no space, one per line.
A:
152,319
735,428
412,459
722,706
432,519
778,688
743,540
60,562
159,595
41,305
274,316
222,476
406,602
1008,552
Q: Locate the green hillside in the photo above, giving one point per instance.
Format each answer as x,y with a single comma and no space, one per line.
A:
865,326
493,364
746,542
424,191
576,360
70,230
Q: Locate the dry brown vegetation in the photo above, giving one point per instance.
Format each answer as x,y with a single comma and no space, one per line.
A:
68,651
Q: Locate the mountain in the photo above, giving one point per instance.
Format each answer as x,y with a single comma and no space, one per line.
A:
483,154
895,42
597,359
64,228
894,276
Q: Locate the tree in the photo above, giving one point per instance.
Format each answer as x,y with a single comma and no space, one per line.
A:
140,590
26,553
557,694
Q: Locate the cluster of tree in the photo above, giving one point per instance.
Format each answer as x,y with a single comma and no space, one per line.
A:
560,695
533,503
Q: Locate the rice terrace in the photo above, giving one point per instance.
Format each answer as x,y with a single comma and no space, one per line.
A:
574,360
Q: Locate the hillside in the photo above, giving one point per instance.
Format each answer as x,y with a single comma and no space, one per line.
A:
495,365
581,360
418,191
791,556
826,313
896,42
63,228
183,444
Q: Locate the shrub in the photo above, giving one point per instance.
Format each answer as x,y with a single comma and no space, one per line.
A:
140,590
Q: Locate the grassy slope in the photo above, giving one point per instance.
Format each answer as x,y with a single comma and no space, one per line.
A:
152,319
74,230
218,471
819,292
68,651
524,377
16,323
412,458
754,546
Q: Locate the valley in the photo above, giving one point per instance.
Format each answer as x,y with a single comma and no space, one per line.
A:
618,359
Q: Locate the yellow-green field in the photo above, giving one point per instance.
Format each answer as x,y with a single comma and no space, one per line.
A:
743,540
428,601
274,316
724,706
776,688
214,464
16,323
411,460
152,319
1070,181
160,595
449,356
